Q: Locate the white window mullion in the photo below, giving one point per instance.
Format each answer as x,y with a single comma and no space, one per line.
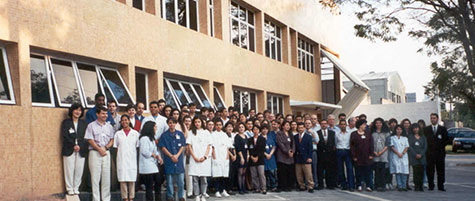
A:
196,94
187,10
108,86
175,5
172,91
79,84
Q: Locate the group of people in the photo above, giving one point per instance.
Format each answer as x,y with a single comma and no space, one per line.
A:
237,152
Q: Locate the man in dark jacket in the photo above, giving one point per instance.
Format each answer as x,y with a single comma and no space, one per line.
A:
437,139
326,167
303,158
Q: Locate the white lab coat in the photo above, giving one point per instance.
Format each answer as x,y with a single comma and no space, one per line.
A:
126,155
399,165
199,143
221,143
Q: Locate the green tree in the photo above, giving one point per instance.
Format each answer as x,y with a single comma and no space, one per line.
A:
447,28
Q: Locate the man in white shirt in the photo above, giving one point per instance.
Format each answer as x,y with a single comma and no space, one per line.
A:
343,157
351,125
310,129
160,120
332,123
224,115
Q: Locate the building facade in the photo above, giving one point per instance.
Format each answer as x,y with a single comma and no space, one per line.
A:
411,98
216,53
386,87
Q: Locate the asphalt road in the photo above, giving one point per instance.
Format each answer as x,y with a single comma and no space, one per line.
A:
460,186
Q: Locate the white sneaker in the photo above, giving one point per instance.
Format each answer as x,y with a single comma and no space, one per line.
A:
206,195
360,188
218,195
197,198
225,194
203,198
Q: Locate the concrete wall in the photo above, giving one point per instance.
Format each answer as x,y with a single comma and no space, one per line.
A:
112,32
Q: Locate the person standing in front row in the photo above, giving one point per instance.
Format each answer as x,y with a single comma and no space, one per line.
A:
173,145
100,136
74,148
149,162
270,164
417,155
380,134
285,157
126,141
240,143
342,138
199,145
362,151
437,139
326,166
303,158
257,148
399,160
221,144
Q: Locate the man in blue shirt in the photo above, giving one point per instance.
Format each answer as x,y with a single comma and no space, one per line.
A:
172,144
91,116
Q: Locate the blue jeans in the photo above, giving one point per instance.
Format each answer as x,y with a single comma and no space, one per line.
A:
271,179
401,180
343,158
314,168
179,182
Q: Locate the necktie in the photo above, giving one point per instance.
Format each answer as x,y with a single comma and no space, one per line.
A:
325,135
433,129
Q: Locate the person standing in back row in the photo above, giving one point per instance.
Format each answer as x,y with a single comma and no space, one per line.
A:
437,139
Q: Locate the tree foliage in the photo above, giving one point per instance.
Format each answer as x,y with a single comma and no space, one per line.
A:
447,28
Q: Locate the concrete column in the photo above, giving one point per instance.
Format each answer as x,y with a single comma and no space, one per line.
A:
227,94
293,48
208,87
203,14
154,85
316,53
259,36
222,29
261,101
122,1
128,75
286,45
150,6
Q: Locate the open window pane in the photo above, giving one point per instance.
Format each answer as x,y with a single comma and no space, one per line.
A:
6,90
274,105
138,4
182,12
245,102
179,92
202,96
281,105
40,88
117,87
235,32
218,101
169,96
251,39
269,103
192,95
141,88
170,10
237,100
89,81
253,101
243,35
193,15
66,85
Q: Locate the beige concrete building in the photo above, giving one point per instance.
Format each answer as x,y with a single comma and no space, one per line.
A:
262,54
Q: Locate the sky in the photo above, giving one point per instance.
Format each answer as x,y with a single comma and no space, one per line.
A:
362,56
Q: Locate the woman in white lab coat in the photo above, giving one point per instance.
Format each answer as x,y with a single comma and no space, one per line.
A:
399,159
199,145
126,140
220,163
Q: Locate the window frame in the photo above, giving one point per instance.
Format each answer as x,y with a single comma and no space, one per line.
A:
146,90
107,84
8,75
55,83
50,82
101,85
271,107
303,53
220,98
241,91
192,84
143,5
231,18
211,17
276,39
187,7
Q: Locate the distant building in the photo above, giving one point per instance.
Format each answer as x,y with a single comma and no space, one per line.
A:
411,98
386,87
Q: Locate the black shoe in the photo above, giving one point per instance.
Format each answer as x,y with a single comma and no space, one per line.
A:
442,189
320,188
352,190
331,188
241,192
344,188
408,188
310,190
301,189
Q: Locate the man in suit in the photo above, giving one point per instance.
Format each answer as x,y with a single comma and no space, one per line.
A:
437,139
303,158
326,168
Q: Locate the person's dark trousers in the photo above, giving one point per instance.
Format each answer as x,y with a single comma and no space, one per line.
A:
344,160
153,182
418,176
314,167
219,184
362,175
271,179
283,176
379,174
232,179
326,169
433,164
388,179
293,178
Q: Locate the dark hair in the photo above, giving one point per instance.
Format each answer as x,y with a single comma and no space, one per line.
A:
402,128
392,120
221,109
385,127
124,115
162,101
98,95
183,106
404,120
360,122
171,119
341,114
256,126
100,109
193,127
363,115
434,114
130,106
137,104
300,124
164,108
217,119
240,123
411,129
173,110
231,108
191,104
265,126
153,103
342,120
147,130
323,120
182,122
112,101
421,121
73,107
282,126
